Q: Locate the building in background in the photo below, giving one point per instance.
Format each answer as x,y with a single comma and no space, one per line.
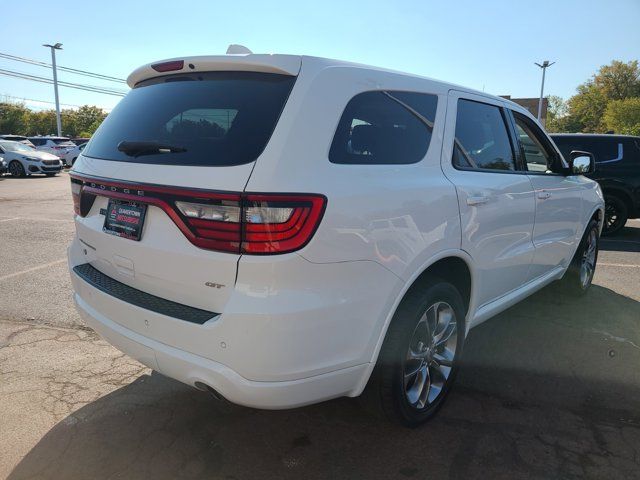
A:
531,104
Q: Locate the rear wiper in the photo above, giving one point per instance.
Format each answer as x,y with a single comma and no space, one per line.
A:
135,149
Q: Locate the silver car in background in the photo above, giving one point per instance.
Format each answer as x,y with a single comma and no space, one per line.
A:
24,160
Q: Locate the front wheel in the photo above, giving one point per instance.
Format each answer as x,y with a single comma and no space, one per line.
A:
421,352
579,275
16,169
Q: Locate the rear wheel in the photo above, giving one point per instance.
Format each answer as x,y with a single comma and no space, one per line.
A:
16,169
580,273
615,214
420,354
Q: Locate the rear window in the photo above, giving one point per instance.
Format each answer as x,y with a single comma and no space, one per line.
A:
63,141
217,118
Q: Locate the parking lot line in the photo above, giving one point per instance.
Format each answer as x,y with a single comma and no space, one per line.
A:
613,240
610,265
38,219
32,269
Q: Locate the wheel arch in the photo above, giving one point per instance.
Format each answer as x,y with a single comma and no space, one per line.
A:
598,215
455,266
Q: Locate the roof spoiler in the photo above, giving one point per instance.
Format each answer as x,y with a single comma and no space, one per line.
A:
236,62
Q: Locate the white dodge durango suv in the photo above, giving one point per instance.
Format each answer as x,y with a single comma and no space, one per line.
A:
282,230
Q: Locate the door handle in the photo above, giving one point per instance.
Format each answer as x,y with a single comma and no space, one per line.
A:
543,194
477,200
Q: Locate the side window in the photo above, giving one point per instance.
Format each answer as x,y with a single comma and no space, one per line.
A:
537,156
481,138
632,150
384,128
608,149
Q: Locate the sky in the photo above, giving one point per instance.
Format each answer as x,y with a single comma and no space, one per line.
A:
487,45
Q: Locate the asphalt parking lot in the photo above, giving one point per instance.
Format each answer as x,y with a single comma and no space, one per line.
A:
549,389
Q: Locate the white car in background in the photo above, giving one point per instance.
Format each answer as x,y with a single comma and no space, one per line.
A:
17,138
69,158
58,146
24,160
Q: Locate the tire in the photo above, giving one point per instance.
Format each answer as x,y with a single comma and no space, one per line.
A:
615,214
16,169
579,275
414,374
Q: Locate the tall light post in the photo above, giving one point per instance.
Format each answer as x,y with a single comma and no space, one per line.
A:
544,67
57,46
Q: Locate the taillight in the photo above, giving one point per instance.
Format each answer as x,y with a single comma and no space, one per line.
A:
280,223
215,224
256,224
76,193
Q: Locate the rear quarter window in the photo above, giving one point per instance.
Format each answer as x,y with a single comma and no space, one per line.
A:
216,118
383,128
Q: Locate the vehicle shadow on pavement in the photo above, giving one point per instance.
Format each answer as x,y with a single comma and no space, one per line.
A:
548,389
627,240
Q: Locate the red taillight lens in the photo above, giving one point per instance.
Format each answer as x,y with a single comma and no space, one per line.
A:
280,223
168,66
215,224
228,222
76,194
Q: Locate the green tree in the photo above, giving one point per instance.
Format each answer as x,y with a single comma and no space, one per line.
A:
85,120
586,109
623,116
14,118
557,110
42,123
619,80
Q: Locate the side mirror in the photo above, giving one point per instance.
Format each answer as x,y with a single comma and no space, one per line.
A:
581,163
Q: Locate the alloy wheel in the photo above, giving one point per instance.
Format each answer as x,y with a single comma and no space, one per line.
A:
15,169
430,356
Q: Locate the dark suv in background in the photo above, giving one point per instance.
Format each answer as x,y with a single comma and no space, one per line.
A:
617,172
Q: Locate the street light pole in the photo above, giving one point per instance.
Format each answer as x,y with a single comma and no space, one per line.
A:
544,67
57,46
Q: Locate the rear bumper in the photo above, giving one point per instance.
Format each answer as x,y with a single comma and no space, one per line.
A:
292,333
189,368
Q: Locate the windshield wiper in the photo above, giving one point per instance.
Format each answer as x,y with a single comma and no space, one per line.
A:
135,149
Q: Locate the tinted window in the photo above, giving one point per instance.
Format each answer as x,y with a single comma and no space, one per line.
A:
63,141
380,128
632,150
537,156
220,118
603,148
481,139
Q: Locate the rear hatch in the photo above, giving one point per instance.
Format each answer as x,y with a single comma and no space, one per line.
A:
170,161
